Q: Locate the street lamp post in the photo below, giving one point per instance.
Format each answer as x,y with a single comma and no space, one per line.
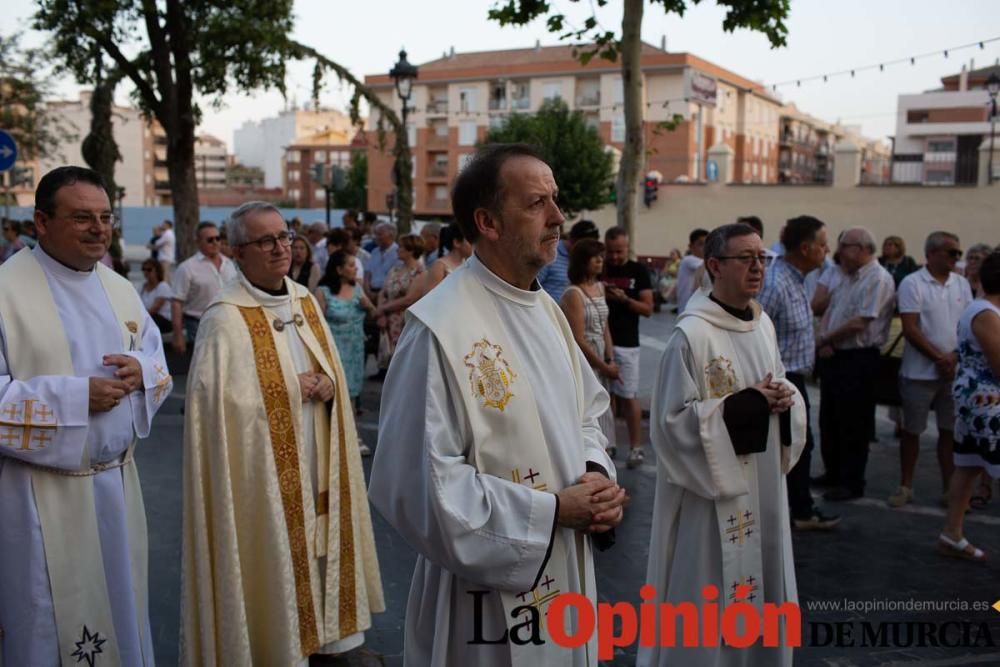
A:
993,87
403,74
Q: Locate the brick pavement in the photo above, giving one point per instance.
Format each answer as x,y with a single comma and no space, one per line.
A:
877,552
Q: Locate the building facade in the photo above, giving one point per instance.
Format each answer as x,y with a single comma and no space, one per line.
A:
262,143
131,130
457,98
806,150
939,132
312,162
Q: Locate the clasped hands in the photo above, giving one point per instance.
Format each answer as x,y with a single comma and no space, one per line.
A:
315,387
780,397
107,392
594,504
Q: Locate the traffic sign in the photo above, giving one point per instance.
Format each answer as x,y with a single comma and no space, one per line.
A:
8,151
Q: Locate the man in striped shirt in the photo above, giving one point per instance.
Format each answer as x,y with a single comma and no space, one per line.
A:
784,299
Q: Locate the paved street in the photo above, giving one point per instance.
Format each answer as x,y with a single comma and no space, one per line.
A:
876,554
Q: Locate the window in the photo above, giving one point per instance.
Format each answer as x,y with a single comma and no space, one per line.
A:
319,156
940,146
618,128
292,156
467,133
441,192
293,174
618,94
293,193
551,90
520,97
468,100
320,194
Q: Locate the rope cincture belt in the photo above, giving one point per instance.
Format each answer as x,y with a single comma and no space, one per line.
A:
95,469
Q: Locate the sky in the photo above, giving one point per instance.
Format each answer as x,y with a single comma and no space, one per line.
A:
823,37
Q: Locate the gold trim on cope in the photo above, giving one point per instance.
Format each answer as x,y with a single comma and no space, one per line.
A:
286,461
348,603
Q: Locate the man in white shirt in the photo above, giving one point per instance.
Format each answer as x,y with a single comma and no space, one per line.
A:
196,282
854,329
686,285
431,234
931,302
166,248
316,234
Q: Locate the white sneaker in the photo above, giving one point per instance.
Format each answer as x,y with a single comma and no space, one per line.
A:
635,458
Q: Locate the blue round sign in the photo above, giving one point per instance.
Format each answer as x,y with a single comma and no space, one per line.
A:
8,151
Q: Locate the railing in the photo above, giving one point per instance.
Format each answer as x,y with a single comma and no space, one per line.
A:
520,103
438,171
498,104
437,106
588,100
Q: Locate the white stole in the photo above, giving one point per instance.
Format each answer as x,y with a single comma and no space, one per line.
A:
737,509
37,345
506,430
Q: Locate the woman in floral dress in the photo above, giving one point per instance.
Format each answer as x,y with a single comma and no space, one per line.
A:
344,304
392,301
977,407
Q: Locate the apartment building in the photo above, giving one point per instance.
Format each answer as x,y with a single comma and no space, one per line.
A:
131,132
806,152
939,132
325,154
458,97
211,159
262,143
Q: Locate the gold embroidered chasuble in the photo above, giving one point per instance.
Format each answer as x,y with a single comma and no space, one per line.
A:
37,345
273,569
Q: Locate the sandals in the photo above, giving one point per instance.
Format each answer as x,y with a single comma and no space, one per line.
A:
983,496
960,549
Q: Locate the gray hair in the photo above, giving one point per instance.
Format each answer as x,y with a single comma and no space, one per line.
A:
983,249
432,227
862,236
385,225
718,240
937,240
236,230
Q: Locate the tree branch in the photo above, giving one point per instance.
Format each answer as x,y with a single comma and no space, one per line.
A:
129,69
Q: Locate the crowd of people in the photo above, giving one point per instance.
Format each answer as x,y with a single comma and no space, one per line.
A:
496,449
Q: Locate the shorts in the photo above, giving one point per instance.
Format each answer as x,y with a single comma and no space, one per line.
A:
627,384
919,396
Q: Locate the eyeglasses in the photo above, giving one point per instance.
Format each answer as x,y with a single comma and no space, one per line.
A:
84,220
267,243
212,239
747,260
954,253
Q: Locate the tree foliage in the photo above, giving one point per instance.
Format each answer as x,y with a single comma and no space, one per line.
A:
581,165
170,50
355,190
24,87
765,16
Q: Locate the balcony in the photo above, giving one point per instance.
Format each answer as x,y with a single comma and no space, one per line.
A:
437,107
437,171
588,99
498,104
161,185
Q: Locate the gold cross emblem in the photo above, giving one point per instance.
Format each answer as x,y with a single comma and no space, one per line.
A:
740,526
27,430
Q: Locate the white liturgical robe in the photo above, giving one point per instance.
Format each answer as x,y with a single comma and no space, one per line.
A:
479,532
719,518
84,314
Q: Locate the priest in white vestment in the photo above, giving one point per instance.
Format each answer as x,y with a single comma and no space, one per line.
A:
279,556
726,428
490,460
82,374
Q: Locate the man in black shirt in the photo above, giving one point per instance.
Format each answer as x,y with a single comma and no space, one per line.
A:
629,294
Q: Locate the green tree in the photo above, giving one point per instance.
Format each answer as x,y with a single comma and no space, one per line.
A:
169,50
354,192
765,16
582,167
24,87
